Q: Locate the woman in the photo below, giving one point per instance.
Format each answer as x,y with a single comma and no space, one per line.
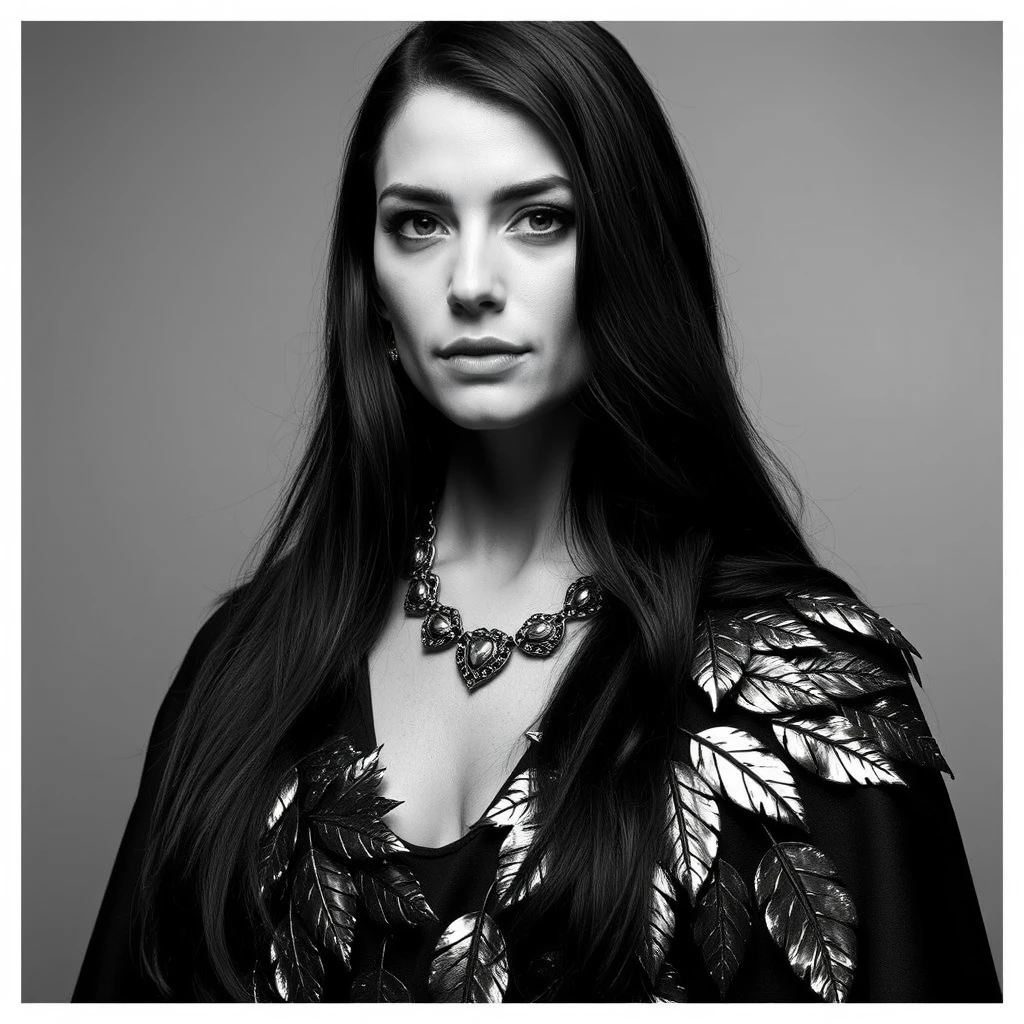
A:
638,744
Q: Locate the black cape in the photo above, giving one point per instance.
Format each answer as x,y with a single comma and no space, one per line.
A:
897,850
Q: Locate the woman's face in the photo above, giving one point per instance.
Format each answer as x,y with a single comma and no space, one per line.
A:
475,252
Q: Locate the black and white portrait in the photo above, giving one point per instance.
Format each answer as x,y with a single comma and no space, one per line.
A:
512,511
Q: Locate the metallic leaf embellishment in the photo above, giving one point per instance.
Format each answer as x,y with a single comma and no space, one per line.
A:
284,798
720,656
358,831
849,615
661,923
768,629
392,895
737,765
277,847
773,685
722,923
693,827
670,988
470,964
510,859
846,675
263,990
322,766
533,736
296,962
326,897
378,986
810,916
899,731
836,749
513,804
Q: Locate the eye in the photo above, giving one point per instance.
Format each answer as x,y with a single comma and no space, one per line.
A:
543,222
415,226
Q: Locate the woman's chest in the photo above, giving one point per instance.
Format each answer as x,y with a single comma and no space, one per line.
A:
448,750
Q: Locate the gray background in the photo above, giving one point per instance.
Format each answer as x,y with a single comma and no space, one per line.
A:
178,180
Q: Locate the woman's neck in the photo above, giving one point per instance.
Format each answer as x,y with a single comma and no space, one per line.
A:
501,507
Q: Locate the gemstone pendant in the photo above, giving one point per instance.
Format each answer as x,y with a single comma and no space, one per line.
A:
482,654
422,557
441,626
583,598
540,634
422,593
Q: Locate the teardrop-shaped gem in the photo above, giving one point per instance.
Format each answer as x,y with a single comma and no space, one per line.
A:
583,598
540,634
422,556
480,650
482,654
441,627
422,593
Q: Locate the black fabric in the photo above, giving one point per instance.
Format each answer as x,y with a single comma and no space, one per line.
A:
898,850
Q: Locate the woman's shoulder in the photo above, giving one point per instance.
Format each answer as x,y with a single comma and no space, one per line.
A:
805,792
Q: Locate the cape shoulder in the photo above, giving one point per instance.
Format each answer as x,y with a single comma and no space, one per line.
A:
818,683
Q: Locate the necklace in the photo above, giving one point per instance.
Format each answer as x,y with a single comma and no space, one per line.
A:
480,654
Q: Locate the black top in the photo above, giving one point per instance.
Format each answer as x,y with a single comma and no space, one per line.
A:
896,849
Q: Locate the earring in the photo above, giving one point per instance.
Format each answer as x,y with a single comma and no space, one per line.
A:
392,349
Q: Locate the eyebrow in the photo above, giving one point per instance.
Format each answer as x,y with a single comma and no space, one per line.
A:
438,197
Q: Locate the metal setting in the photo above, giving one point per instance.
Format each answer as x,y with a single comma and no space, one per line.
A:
422,594
541,634
422,556
441,627
481,654
583,598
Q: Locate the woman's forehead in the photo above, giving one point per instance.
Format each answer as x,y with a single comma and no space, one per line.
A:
463,145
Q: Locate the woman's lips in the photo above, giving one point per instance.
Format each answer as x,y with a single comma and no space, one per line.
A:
487,364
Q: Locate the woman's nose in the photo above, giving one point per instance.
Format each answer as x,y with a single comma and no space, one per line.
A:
476,283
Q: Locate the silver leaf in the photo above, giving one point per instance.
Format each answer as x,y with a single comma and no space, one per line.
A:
284,798
295,961
277,846
669,988
771,685
835,749
321,767
847,614
532,736
391,894
326,899
693,827
899,731
661,923
767,629
513,804
810,915
353,828
510,859
845,675
720,656
737,765
378,985
470,964
721,925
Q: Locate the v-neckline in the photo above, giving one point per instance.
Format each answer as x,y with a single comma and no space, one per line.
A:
366,703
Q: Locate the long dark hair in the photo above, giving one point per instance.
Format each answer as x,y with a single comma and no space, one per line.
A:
672,494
